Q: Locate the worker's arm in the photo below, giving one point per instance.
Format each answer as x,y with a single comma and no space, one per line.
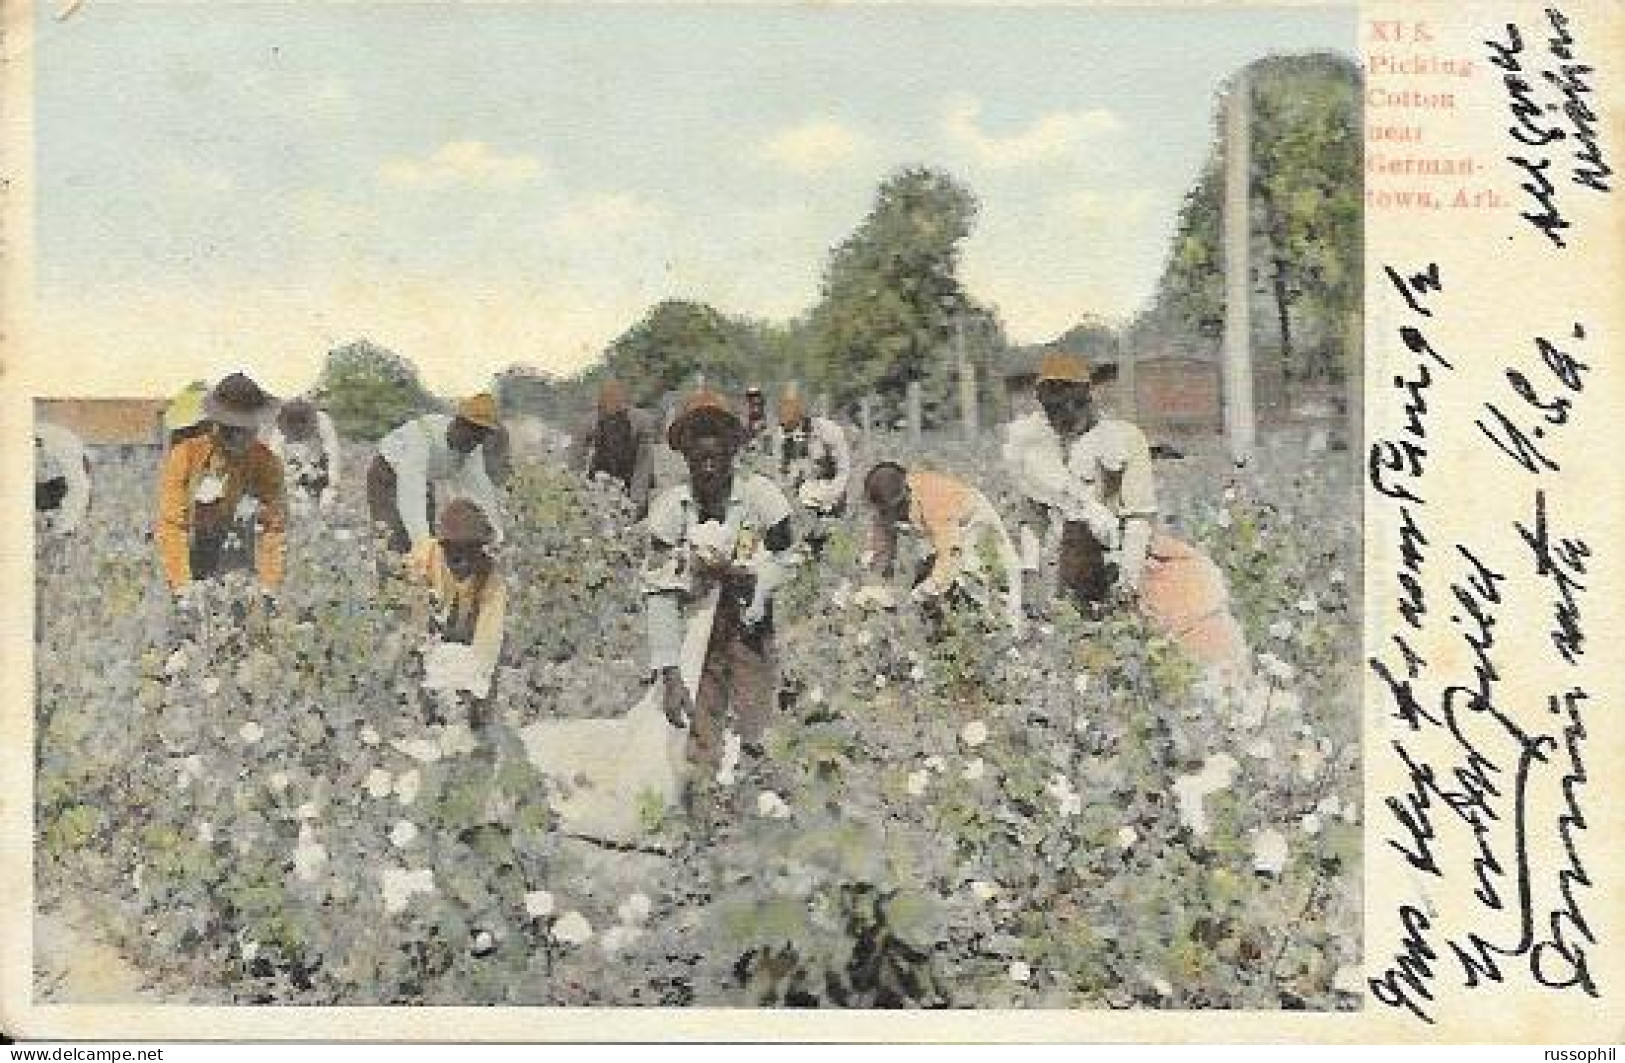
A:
835,436
1038,471
172,531
76,470
271,544
946,534
1138,506
643,467
478,486
330,447
487,643
665,580
406,451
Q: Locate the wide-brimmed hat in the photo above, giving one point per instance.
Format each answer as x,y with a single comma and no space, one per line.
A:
237,401
704,409
792,410
186,409
463,521
479,410
1066,367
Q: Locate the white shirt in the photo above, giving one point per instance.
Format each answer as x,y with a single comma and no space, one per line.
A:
420,456
825,441
59,455
1109,465
299,454
755,505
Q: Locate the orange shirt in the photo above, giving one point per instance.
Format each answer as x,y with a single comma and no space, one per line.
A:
256,474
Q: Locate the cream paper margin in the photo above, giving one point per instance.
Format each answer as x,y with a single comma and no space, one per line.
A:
1494,308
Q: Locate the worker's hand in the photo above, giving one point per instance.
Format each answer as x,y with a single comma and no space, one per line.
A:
418,558
924,592
674,699
1126,587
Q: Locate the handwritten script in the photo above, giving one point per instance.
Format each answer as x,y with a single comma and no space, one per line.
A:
1554,126
1489,766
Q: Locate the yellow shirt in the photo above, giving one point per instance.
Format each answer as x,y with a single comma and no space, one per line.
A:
471,610
201,466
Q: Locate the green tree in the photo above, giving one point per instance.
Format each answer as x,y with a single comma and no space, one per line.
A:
674,342
369,390
892,304
1305,222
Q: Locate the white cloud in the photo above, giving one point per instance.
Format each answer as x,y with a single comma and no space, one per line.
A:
461,162
611,214
1047,138
813,146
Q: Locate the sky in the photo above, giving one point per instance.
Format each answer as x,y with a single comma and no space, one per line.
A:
230,186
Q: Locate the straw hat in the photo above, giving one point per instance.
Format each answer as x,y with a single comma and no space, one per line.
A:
699,410
237,401
1063,367
462,521
185,410
479,410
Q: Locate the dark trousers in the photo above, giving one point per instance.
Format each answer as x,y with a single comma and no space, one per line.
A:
221,548
738,682
1083,570
383,508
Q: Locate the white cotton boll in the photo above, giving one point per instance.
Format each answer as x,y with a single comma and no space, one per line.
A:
1281,629
984,891
880,682
1349,979
1310,824
538,904
1263,749
1161,987
917,782
1019,972
369,737
308,856
406,786
250,949
572,928
1307,604
865,637
1269,852
635,909
308,810
1070,804
1329,805
1193,790
399,885
973,734
205,832
456,739
278,781
1080,683
935,764
816,695
1310,761
251,732
404,833
194,765
917,673
974,769
380,783
210,685
1126,837
176,663
423,750
619,938
1336,577
770,805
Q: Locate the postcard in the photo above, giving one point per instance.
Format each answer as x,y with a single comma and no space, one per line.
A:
917,522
